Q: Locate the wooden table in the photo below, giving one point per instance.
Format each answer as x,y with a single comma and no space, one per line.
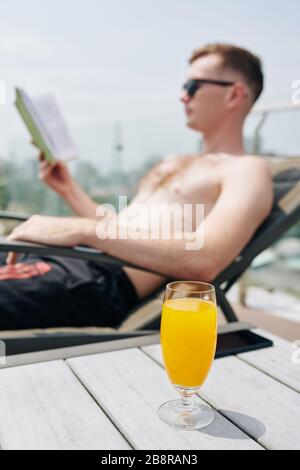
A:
93,397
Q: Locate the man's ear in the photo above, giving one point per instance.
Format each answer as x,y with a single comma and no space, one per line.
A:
236,95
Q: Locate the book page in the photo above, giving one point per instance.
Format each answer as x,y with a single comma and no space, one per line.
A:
35,117
53,123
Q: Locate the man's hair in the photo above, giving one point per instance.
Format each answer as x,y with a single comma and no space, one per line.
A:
236,58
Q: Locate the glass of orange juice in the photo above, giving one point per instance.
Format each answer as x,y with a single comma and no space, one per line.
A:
188,340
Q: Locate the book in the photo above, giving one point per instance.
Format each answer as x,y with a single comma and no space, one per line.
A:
45,122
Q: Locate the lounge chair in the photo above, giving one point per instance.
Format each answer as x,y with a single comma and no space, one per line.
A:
145,319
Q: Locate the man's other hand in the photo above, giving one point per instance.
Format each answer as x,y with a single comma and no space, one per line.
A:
59,231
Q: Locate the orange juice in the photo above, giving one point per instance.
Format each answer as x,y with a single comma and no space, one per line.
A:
188,339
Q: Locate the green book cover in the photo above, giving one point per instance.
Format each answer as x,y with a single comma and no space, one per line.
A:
32,126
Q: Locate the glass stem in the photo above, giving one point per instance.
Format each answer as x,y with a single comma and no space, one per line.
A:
187,401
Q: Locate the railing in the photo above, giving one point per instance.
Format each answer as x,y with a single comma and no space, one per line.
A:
264,113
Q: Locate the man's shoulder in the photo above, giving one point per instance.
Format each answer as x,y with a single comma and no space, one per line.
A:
251,177
250,163
176,156
249,171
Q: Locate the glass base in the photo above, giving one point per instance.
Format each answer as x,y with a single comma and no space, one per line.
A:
189,418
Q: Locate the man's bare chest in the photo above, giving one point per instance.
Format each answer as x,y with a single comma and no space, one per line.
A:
186,179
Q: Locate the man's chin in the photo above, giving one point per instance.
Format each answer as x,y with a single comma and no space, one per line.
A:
191,124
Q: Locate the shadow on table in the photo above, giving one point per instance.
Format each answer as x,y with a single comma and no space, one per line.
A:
252,426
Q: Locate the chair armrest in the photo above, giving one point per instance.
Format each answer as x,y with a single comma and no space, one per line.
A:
78,252
13,216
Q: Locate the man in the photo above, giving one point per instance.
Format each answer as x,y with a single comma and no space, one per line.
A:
223,83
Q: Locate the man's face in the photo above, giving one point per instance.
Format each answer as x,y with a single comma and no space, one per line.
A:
208,107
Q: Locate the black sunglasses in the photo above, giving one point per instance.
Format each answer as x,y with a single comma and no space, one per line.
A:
193,85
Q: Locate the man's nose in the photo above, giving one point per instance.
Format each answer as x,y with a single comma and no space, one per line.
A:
184,97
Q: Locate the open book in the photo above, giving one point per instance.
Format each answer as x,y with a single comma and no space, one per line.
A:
46,125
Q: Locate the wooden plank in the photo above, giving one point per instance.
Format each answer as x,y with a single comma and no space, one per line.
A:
264,408
290,201
44,406
280,164
53,331
75,351
130,387
276,362
143,315
154,352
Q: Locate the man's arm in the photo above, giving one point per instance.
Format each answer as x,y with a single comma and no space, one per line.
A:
57,177
82,204
246,200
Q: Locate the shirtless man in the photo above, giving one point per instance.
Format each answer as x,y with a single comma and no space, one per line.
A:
223,83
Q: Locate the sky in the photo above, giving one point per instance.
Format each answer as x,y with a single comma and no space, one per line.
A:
125,61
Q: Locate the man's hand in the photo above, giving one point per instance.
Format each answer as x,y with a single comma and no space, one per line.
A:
57,231
55,175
